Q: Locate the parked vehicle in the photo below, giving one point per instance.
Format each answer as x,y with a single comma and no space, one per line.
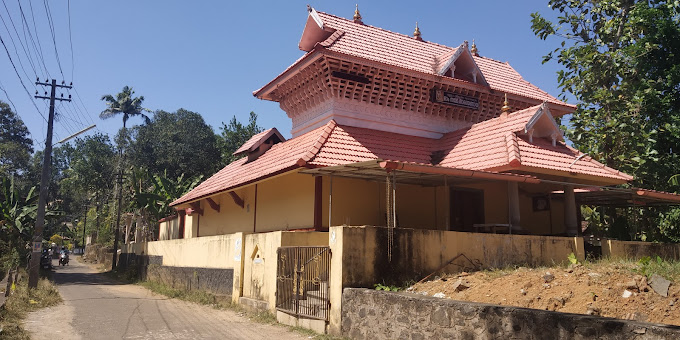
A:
45,259
63,258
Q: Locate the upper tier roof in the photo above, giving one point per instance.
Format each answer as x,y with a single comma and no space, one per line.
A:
325,31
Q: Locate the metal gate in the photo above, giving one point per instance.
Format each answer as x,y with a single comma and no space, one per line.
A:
302,281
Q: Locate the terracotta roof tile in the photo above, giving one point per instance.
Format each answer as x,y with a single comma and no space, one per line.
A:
400,50
279,158
486,145
255,140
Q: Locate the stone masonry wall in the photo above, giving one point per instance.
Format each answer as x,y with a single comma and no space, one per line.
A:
371,314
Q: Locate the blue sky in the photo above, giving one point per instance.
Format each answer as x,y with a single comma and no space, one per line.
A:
208,56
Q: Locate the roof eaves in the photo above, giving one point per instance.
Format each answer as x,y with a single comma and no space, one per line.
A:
309,57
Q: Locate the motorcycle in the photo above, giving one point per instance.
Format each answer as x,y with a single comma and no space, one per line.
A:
63,259
45,260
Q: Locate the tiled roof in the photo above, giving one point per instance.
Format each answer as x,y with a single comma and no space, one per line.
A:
400,50
496,143
349,144
258,139
279,158
489,145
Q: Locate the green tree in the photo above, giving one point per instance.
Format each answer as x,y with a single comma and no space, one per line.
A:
235,134
124,104
175,143
129,106
621,61
15,145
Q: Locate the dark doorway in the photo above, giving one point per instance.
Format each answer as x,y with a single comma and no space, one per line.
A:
467,208
182,218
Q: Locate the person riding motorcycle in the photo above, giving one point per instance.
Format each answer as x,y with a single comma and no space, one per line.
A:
63,256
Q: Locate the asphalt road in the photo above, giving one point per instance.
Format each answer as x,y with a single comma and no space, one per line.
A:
96,307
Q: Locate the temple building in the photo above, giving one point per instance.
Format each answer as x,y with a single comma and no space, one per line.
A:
394,130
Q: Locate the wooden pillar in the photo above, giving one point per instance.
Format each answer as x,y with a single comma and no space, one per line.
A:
570,216
513,204
318,192
447,205
330,201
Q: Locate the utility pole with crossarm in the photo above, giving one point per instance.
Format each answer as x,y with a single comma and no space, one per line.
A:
34,264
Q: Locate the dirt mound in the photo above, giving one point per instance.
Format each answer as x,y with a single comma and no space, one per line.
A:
611,290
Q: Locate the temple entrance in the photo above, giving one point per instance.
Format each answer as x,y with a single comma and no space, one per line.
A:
467,209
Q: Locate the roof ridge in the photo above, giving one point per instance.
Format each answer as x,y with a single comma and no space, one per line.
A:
332,38
384,30
320,141
514,157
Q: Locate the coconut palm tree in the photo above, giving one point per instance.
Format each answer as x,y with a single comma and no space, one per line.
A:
124,103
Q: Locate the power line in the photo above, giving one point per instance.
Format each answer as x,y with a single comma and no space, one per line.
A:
38,52
2,88
70,38
21,80
30,59
11,39
50,21
37,38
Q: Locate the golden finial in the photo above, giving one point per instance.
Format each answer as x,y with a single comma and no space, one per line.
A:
357,15
473,49
416,33
506,107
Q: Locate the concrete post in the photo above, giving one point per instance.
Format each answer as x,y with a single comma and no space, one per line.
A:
570,215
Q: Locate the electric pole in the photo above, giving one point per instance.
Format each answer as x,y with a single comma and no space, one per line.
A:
87,209
34,264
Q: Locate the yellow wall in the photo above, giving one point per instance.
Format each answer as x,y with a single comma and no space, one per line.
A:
634,250
359,255
205,252
231,218
260,257
285,203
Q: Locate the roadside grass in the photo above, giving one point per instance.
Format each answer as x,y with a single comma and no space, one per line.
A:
215,301
23,301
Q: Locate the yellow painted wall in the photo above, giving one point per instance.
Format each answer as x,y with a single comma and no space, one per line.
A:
231,218
285,202
354,202
359,255
260,257
634,250
205,252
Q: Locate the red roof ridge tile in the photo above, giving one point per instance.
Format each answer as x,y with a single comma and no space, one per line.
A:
382,29
332,38
514,159
320,141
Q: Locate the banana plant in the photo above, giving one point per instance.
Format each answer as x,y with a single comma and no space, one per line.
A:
163,191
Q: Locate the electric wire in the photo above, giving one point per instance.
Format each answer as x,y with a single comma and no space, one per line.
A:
2,88
37,38
11,39
70,37
28,55
20,79
38,52
50,21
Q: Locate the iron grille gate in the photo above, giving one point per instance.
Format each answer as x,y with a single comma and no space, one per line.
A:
302,281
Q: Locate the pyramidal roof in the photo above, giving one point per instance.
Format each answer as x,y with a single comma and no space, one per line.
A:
327,32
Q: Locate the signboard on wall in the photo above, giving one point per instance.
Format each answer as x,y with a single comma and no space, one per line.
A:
451,98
